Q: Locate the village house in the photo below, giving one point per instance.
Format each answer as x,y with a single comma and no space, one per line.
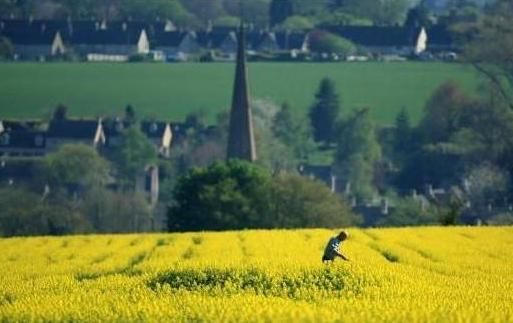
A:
109,44
384,40
20,139
440,39
293,42
223,40
35,44
160,134
176,43
73,131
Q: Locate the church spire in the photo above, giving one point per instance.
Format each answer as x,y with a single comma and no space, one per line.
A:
241,140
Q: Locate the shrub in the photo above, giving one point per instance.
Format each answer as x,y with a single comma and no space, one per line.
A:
325,42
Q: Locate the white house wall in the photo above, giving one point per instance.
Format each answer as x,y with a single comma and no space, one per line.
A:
143,45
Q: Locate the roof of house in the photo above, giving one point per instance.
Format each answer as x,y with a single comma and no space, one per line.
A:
19,125
153,129
217,37
440,36
29,37
114,127
170,38
290,40
33,25
377,36
69,128
105,37
22,138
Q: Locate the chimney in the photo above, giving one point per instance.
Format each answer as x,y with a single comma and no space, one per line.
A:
333,183
384,206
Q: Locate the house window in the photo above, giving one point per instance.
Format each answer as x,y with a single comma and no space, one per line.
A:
39,140
153,127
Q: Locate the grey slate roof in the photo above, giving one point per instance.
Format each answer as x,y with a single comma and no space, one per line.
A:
76,129
169,38
153,129
105,37
30,37
374,36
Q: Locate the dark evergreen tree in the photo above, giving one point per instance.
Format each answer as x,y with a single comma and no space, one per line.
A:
60,113
417,16
280,10
325,111
403,132
130,113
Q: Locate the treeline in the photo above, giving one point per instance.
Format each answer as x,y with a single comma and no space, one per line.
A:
200,13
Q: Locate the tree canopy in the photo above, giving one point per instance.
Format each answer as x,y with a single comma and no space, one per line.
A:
325,111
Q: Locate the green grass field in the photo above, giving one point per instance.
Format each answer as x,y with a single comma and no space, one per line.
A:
170,91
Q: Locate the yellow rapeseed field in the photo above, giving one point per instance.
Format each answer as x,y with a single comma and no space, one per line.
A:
429,274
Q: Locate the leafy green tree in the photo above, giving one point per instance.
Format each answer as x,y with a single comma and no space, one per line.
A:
279,11
441,113
25,213
224,196
76,164
325,42
486,183
275,152
237,194
227,21
117,212
293,132
133,154
488,43
357,153
300,202
325,111
149,10
409,211
380,12
205,10
297,23
501,219
341,17
254,11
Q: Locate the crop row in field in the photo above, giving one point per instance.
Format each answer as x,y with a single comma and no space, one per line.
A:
170,91
410,274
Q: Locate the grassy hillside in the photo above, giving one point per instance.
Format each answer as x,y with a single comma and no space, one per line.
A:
428,274
172,90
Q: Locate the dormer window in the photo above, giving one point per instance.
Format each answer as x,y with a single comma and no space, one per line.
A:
38,140
153,127
5,139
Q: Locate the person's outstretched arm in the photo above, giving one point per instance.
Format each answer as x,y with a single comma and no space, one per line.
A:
343,257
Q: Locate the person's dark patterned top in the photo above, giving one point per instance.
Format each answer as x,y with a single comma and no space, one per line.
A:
332,249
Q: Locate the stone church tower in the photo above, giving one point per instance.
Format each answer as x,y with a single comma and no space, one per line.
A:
241,139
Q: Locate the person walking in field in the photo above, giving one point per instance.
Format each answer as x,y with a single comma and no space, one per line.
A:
332,249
